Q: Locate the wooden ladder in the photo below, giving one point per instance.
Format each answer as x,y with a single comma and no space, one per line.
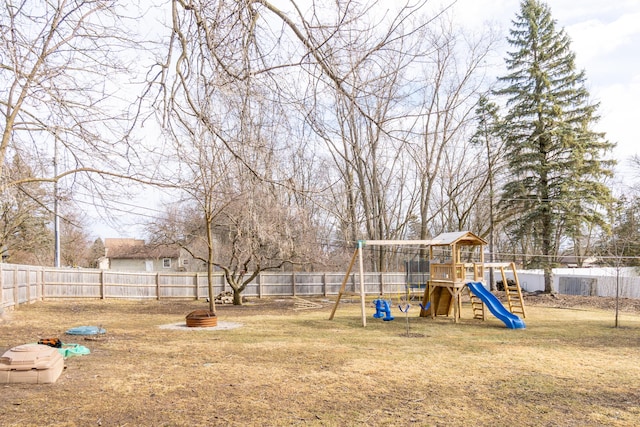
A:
513,292
477,306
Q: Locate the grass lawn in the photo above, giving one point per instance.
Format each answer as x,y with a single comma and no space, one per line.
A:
283,367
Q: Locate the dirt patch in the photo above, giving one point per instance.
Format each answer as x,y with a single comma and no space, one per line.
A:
221,326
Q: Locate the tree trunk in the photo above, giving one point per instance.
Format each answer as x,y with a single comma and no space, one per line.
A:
548,249
547,260
212,297
237,297
210,241
548,279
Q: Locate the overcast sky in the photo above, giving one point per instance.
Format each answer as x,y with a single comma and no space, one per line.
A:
605,37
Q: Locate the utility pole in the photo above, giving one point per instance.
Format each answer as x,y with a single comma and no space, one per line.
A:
56,221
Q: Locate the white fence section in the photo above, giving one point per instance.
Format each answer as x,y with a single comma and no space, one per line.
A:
601,282
21,284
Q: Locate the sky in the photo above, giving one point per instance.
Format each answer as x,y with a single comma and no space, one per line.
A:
605,37
606,40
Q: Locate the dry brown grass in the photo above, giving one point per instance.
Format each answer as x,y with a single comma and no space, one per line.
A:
287,367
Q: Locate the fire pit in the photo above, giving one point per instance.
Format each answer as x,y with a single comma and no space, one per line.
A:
201,319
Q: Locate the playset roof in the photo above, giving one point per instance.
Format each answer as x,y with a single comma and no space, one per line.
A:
465,238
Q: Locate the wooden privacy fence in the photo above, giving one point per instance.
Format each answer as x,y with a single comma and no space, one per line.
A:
22,284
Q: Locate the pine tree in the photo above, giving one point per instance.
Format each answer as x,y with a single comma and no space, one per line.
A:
556,160
96,253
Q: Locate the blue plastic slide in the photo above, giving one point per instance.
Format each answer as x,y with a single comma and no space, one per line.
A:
495,306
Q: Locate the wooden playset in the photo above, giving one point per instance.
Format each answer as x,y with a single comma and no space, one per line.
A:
454,260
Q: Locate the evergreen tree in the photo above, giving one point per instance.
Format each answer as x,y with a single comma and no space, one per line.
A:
556,160
96,253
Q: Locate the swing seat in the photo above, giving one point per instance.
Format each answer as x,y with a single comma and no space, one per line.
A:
383,309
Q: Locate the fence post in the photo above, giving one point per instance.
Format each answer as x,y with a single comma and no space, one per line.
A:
157,286
16,300
381,283
324,284
195,283
353,282
40,284
293,283
259,284
27,276
102,284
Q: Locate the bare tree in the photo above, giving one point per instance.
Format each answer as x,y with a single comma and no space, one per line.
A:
65,87
25,236
231,221
60,66
398,136
75,242
362,123
386,93
226,129
463,180
453,75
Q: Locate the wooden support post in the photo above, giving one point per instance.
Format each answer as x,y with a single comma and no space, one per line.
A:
456,302
362,294
260,290
195,283
426,298
343,286
158,286
478,272
434,303
518,291
505,286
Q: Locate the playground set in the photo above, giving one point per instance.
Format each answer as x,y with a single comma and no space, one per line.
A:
456,265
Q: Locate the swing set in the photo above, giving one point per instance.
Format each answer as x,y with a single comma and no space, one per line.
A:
455,261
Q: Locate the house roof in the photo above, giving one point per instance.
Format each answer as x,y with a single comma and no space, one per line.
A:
466,238
577,260
137,249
